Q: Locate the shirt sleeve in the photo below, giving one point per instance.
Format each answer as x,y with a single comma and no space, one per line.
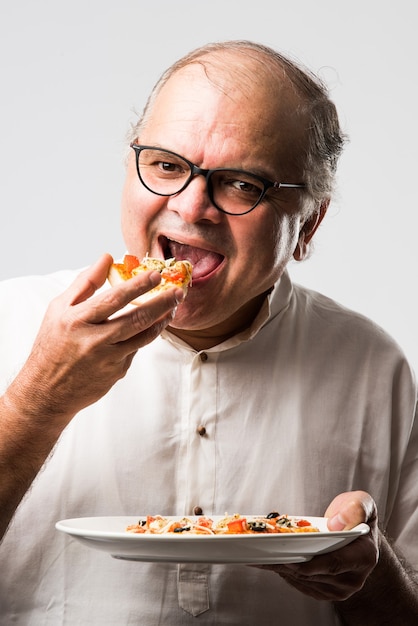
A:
403,522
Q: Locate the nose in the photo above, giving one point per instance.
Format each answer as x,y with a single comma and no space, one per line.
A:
193,203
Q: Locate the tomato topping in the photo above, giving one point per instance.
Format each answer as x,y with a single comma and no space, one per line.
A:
237,525
302,522
206,522
172,276
130,261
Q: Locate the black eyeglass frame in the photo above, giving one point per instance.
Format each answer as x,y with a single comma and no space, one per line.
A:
207,173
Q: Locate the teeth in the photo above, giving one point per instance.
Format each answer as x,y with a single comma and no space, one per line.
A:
172,248
166,248
177,249
203,261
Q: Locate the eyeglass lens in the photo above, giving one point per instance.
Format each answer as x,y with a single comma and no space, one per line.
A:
166,174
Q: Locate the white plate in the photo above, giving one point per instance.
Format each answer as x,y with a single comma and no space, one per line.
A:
108,534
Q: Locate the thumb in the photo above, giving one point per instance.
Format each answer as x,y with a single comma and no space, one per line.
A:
349,509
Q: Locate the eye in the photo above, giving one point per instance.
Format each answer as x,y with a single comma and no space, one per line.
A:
162,164
245,186
169,167
241,183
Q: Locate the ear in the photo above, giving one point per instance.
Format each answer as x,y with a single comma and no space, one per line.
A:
308,230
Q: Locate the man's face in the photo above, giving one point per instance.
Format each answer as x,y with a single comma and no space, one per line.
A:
235,258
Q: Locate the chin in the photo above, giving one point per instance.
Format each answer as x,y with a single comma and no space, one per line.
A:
189,321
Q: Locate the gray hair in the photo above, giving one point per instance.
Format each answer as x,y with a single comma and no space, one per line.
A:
325,139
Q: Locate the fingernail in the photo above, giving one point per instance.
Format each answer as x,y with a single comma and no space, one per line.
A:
179,296
336,522
155,277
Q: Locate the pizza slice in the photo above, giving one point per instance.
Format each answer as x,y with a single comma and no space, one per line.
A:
173,273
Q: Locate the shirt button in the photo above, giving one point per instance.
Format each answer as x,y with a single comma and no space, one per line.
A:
203,357
197,510
201,431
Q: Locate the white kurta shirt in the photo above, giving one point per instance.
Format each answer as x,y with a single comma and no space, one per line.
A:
314,400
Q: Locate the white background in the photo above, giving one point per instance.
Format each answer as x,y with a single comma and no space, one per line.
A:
73,73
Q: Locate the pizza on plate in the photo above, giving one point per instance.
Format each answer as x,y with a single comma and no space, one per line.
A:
272,523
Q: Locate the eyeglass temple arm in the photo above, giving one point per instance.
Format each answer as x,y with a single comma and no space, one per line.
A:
289,185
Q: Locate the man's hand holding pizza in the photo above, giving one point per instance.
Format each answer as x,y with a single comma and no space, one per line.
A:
87,341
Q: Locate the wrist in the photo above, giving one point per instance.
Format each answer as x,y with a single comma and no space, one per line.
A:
388,596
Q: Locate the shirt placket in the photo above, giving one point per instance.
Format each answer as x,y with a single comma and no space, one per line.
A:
198,468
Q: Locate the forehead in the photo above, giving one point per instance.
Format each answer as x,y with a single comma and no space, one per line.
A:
231,107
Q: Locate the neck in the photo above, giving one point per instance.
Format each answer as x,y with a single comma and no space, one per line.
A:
206,338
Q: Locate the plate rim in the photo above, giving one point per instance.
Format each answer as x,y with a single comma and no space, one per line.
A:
272,548
64,525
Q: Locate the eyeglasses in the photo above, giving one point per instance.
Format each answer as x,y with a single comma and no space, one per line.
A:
232,191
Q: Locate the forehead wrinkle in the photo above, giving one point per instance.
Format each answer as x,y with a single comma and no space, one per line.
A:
265,129
266,94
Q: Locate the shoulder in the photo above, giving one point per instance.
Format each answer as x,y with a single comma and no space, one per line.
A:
23,302
320,309
40,287
336,329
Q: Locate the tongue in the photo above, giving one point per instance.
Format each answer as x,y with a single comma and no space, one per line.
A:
203,261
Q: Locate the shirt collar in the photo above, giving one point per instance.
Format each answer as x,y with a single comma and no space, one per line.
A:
276,301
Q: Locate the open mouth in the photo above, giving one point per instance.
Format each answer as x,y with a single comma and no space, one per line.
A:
204,261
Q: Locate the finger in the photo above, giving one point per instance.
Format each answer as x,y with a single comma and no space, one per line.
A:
322,588
111,301
131,345
322,566
114,299
332,576
319,585
88,281
153,316
356,557
349,509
